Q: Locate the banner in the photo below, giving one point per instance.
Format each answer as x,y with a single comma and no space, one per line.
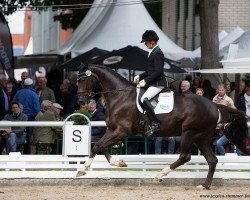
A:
6,49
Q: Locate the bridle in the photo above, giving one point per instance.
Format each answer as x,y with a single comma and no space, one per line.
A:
89,74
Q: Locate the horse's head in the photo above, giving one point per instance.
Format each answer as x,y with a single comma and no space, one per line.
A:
88,84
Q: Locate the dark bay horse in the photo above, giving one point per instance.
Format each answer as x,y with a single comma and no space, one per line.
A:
194,118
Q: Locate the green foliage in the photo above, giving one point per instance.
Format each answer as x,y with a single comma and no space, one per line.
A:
79,120
75,13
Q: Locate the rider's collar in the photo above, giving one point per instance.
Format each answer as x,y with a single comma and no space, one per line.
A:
153,50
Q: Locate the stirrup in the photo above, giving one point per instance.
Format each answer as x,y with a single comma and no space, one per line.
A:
153,128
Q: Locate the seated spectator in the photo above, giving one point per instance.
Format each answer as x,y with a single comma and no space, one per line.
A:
46,134
15,135
45,105
96,115
31,107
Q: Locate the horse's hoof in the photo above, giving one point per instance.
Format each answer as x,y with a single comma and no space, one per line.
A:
80,173
157,180
200,187
122,163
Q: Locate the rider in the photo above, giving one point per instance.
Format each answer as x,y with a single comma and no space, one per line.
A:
153,78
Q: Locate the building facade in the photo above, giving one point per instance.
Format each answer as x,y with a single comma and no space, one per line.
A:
181,22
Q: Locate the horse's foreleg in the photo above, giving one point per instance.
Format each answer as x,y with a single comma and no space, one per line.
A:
185,151
112,161
88,163
207,152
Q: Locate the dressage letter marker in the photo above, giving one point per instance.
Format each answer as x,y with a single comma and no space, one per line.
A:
77,140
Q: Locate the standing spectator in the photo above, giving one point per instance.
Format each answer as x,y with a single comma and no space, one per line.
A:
4,105
242,86
11,89
171,145
222,98
68,101
31,106
15,135
243,104
20,84
96,115
43,92
185,87
231,92
196,84
73,88
209,92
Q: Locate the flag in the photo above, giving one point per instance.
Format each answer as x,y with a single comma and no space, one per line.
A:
6,49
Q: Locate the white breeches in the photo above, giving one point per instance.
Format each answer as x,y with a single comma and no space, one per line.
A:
151,92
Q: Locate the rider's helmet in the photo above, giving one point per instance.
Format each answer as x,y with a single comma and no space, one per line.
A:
149,35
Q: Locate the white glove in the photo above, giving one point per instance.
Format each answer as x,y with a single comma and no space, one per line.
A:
136,79
142,83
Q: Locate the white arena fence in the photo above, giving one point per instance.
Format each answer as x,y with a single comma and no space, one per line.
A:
229,166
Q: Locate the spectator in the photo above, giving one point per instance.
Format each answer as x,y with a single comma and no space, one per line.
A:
10,90
45,105
242,86
199,91
46,134
209,92
15,135
73,88
96,115
222,98
20,84
31,107
43,92
171,145
68,101
4,105
185,87
196,84
231,92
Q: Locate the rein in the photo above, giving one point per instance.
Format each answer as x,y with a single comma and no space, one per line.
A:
88,74
106,92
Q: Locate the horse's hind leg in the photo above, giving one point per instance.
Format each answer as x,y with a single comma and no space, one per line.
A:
185,151
206,150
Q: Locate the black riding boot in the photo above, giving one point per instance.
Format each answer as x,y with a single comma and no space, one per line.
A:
152,117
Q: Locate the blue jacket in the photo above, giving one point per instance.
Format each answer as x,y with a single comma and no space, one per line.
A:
30,101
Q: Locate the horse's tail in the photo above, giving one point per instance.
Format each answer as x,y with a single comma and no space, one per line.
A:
236,130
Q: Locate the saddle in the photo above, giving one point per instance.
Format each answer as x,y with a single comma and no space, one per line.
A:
162,103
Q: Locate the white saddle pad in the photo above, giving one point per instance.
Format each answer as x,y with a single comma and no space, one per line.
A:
165,103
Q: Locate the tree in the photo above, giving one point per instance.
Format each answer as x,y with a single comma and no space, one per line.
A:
69,19
71,16
209,35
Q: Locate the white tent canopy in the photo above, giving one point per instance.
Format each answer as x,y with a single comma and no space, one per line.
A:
114,24
197,52
225,39
233,66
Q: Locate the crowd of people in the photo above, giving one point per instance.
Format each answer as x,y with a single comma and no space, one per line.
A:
29,101
32,100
